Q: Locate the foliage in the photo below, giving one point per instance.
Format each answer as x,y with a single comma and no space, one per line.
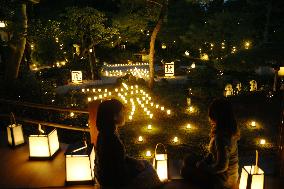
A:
88,27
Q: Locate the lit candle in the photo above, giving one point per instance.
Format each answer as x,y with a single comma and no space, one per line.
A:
148,153
140,139
191,109
149,127
253,123
175,140
162,108
188,126
72,114
168,112
262,141
130,117
89,99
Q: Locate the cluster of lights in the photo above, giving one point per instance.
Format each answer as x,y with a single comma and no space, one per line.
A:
234,50
223,45
133,96
130,64
136,72
247,44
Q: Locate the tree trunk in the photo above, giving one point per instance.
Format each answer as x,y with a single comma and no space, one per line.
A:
17,44
92,61
152,44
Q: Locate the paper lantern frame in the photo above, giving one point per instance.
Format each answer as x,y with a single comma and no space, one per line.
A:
251,179
160,163
43,146
15,134
82,172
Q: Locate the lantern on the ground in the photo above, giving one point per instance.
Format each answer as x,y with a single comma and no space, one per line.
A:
80,163
252,177
43,145
15,132
160,163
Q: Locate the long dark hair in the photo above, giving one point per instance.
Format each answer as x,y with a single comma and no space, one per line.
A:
105,116
221,111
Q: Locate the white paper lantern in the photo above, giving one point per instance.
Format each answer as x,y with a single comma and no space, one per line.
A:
252,177
80,163
15,134
43,145
160,163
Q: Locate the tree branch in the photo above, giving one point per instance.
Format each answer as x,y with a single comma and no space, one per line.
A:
155,2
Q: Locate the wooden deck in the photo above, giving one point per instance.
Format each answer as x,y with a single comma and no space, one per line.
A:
17,171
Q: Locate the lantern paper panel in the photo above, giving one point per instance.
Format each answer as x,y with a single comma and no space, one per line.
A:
43,145
160,163
162,170
256,181
53,142
15,134
80,164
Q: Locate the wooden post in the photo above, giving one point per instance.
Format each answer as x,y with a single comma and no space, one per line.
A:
93,108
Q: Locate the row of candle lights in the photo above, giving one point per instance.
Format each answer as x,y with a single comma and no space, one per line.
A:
132,95
135,72
124,65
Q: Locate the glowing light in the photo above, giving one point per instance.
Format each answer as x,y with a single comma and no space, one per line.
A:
262,141
188,126
193,65
168,112
186,53
2,24
72,114
253,124
149,127
247,44
140,139
162,108
130,117
148,153
89,99
175,140
191,109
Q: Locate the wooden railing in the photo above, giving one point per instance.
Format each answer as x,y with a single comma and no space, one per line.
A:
91,111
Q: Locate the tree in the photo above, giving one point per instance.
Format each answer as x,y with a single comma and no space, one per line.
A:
88,28
47,39
153,39
17,43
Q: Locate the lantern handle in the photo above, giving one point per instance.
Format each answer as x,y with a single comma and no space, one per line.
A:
160,144
12,119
